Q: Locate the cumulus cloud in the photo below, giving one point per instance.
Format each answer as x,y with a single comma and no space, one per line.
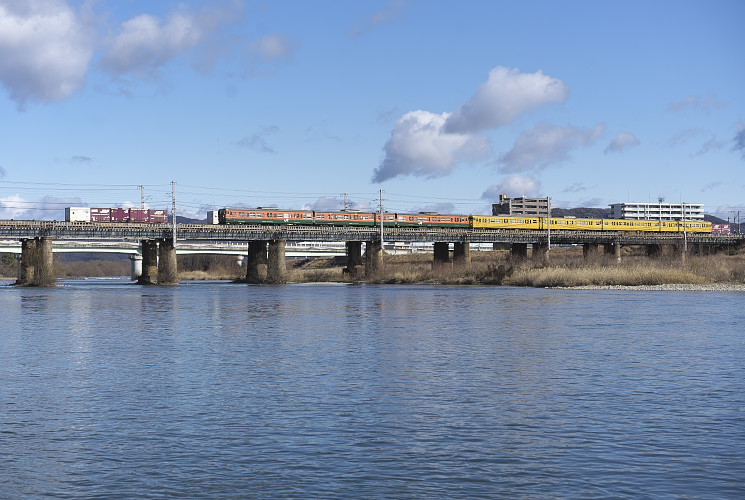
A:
45,49
740,142
621,142
258,142
144,43
419,146
545,145
47,208
391,11
506,95
515,185
703,103
427,144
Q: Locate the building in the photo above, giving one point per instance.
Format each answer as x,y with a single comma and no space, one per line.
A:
658,211
535,207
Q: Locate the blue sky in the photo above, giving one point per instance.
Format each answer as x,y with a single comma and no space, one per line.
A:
443,105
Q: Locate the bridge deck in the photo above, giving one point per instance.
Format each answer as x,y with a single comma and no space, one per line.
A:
197,232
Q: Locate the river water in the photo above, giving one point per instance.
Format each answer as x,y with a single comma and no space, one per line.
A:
216,390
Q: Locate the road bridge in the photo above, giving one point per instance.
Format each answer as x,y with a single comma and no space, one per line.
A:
266,245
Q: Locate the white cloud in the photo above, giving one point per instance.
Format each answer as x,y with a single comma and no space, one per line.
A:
419,146
514,186
144,43
47,208
45,49
506,95
427,144
621,142
545,145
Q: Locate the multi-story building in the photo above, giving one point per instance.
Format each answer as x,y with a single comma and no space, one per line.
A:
658,211
536,207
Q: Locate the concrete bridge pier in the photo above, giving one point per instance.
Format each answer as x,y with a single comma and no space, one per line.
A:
540,253
135,267
257,269
441,256
519,251
462,254
277,272
613,249
27,273
590,250
373,257
354,259
149,274
167,265
37,262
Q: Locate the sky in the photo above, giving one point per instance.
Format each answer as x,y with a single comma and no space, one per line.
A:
441,105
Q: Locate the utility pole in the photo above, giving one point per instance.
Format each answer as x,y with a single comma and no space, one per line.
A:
548,225
346,200
142,196
381,226
173,210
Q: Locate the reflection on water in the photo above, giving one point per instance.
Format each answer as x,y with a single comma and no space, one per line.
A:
218,390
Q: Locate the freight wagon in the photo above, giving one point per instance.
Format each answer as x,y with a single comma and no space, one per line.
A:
90,214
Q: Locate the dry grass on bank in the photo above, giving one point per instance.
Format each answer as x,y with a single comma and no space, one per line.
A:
567,268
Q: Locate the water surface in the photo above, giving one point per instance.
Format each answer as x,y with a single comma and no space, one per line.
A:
215,390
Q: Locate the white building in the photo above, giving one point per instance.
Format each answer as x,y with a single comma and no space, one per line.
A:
658,211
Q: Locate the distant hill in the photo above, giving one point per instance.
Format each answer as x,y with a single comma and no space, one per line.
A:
186,220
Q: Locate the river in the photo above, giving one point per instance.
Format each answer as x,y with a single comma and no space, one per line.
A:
217,390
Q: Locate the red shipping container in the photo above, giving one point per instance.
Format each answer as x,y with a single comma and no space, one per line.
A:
158,216
100,215
138,215
119,215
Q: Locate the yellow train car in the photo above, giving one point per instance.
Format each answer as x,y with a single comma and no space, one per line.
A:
580,224
573,224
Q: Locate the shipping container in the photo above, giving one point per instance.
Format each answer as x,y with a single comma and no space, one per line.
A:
158,216
138,215
212,217
119,215
100,215
78,214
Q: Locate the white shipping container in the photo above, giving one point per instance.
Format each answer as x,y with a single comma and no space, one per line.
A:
212,217
78,214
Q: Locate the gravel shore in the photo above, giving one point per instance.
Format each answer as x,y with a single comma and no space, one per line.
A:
719,287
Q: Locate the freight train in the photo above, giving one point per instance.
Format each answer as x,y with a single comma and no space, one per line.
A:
89,214
427,219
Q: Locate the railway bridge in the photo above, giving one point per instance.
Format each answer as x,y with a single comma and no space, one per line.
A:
266,244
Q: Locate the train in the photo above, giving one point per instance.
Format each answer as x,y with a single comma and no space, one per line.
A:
90,214
276,216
